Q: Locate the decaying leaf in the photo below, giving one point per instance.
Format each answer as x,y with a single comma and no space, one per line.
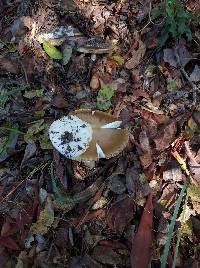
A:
81,261
120,214
166,137
7,144
67,54
45,220
195,75
142,241
137,56
30,151
9,65
106,255
195,197
9,243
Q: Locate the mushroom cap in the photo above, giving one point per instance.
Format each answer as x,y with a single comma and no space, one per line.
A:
100,137
70,135
106,134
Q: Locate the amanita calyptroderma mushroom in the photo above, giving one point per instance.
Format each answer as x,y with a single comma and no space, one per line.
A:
87,135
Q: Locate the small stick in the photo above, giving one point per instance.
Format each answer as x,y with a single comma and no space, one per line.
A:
183,165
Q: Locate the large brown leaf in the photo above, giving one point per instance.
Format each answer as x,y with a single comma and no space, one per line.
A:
166,136
142,241
120,214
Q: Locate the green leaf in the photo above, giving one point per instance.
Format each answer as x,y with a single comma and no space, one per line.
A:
52,51
67,54
37,126
7,145
104,97
119,59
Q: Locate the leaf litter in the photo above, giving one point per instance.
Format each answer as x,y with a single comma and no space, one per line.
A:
117,212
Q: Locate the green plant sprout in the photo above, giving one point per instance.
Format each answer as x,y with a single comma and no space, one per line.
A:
176,21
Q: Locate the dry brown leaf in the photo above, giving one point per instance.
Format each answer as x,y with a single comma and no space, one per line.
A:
106,255
9,65
94,82
142,241
120,214
137,56
166,136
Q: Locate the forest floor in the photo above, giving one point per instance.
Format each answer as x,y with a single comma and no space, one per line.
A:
137,60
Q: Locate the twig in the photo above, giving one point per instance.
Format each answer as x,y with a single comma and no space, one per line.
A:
25,73
183,165
42,166
150,19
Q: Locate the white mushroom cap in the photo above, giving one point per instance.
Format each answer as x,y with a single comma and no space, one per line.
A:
70,136
101,136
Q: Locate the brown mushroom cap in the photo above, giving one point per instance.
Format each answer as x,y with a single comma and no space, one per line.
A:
95,118
111,140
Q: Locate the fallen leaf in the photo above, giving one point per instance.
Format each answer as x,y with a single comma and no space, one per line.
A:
173,173
8,145
119,59
193,164
170,57
132,179
67,54
195,75
137,56
9,65
196,117
83,261
195,197
146,160
116,184
182,52
59,167
94,82
45,220
106,255
52,51
4,257
142,240
30,151
166,136
120,214
9,243
59,102
114,244
100,213
144,142
184,55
